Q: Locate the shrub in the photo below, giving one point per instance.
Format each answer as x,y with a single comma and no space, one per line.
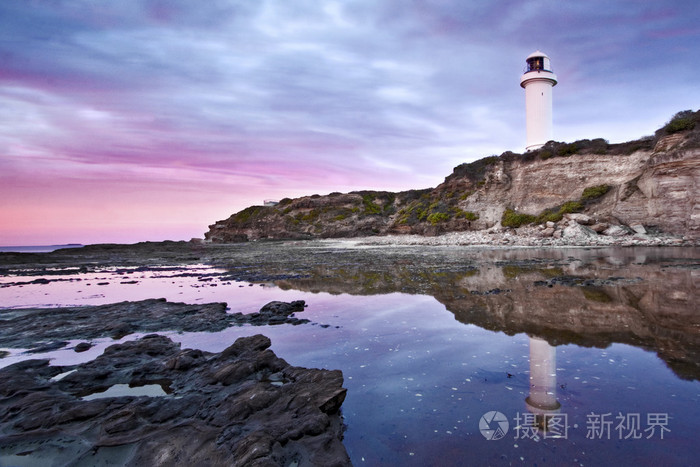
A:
593,192
515,219
248,213
309,216
370,207
645,143
545,154
567,150
571,206
436,217
468,215
684,120
553,215
474,171
599,146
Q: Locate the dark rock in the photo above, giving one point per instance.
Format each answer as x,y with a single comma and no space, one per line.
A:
273,313
243,406
83,346
48,347
46,329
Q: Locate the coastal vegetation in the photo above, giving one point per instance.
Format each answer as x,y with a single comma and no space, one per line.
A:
512,218
681,121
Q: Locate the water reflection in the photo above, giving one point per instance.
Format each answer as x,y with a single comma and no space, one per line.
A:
419,377
592,298
542,400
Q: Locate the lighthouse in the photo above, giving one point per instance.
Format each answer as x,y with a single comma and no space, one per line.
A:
538,81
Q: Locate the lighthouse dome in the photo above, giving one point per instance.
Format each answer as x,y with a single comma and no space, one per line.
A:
537,53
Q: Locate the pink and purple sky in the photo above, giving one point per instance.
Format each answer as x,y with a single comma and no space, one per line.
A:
149,120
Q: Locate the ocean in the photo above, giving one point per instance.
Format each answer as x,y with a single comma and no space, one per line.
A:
37,248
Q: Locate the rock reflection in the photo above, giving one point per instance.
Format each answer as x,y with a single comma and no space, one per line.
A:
591,298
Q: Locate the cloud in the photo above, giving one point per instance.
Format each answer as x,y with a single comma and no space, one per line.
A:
322,95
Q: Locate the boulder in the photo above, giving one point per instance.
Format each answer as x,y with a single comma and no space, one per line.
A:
600,227
638,228
617,231
580,218
578,231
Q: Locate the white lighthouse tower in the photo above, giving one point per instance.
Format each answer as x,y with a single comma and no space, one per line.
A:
538,82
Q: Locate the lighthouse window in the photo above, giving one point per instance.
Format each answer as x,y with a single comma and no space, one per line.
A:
535,63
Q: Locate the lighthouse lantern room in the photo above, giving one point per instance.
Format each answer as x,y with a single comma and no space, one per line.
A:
538,81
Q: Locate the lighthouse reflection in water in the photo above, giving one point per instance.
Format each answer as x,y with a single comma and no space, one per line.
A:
542,400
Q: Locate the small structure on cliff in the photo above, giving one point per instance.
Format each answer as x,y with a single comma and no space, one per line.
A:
538,81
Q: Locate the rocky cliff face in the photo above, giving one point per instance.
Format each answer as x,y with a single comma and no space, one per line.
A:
650,184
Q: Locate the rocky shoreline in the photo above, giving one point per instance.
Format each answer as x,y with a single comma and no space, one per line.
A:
561,235
243,406
46,329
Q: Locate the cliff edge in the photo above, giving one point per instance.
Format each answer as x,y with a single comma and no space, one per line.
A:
589,187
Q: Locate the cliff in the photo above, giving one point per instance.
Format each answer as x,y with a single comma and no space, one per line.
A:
650,185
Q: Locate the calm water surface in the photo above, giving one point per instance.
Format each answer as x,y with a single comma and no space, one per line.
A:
514,360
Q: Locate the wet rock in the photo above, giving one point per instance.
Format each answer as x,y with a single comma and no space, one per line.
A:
83,346
575,281
48,347
243,406
46,329
273,313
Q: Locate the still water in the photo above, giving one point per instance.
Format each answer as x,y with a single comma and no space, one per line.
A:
563,357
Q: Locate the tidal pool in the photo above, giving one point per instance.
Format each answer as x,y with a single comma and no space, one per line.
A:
489,357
